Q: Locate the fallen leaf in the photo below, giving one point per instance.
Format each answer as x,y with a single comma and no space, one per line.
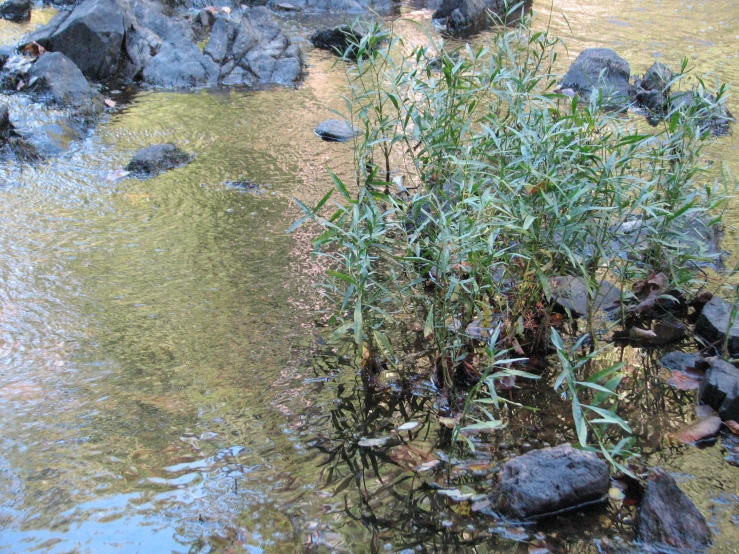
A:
480,505
733,426
616,494
456,495
408,426
369,443
110,103
703,411
413,454
449,422
642,334
700,430
426,466
116,175
684,381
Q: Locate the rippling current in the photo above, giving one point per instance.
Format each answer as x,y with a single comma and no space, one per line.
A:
162,380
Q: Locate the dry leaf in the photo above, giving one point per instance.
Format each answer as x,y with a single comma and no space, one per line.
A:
369,443
110,103
450,422
116,175
408,426
684,381
733,426
700,430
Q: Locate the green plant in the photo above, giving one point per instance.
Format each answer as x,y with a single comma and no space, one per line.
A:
592,418
476,183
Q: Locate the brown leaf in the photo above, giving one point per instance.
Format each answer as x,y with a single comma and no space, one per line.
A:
699,430
412,454
684,381
650,290
733,426
450,422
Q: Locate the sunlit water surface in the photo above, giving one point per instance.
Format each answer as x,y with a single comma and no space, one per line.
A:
162,383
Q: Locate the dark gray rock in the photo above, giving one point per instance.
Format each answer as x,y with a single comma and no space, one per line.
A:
462,17
571,293
658,77
60,80
15,10
683,361
108,38
336,130
156,159
719,388
92,37
43,34
176,67
340,40
669,518
713,324
550,480
6,127
601,69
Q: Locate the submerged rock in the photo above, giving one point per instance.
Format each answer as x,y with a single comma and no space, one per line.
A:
571,293
461,17
336,130
713,324
339,40
15,10
156,159
719,388
667,517
550,480
601,69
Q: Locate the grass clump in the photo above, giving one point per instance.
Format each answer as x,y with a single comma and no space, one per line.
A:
475,184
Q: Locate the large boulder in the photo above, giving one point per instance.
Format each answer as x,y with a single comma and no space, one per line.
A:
462,17
253,50
92,36
550,480
57,78
110,38
15,10
603,70
156,159
669,518
720,388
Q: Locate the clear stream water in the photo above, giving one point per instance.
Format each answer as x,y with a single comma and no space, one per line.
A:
163,384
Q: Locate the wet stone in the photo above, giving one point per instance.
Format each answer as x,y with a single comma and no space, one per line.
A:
336,40
713,324
156,159
667,517
720,388
336,130
550,480
571,293
15,10
601,69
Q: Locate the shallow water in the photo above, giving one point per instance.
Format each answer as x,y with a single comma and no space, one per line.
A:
163,383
